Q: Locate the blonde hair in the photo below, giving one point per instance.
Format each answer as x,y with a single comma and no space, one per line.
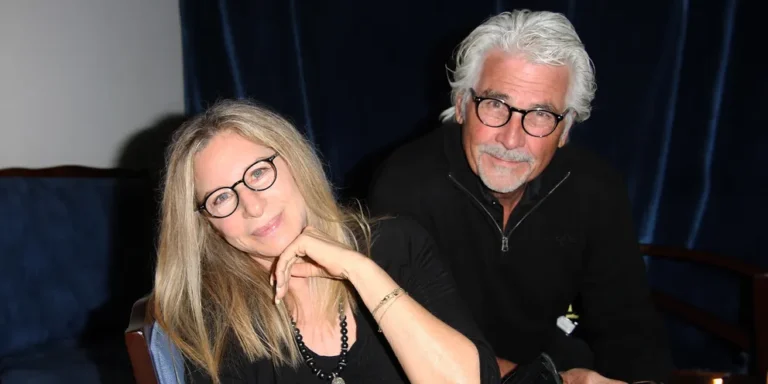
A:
209,294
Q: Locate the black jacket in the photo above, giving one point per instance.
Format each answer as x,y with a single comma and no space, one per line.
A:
570,240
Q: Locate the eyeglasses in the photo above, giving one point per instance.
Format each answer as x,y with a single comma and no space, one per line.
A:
223,201
495,113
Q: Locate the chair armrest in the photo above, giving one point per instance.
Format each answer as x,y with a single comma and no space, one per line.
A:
702,319
706,258
137,342
759,283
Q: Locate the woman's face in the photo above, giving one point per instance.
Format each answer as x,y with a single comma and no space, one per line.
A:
264,222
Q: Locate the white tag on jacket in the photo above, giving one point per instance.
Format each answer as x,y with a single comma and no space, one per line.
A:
566,324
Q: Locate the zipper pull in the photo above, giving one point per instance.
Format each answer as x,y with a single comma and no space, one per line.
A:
504,244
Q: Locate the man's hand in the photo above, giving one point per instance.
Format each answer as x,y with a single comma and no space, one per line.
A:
585,376
505,366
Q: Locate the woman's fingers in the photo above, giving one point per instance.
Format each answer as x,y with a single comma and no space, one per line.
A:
283,290
287,271
290,253
325,260
297,267
282,267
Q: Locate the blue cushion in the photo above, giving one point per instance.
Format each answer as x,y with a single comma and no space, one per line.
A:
166,358
66,362
61,244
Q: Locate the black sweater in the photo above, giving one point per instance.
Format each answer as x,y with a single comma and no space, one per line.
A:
405,250
570,240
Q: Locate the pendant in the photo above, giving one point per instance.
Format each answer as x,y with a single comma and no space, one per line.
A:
337,380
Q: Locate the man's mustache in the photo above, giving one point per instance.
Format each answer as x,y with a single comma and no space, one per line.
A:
502,153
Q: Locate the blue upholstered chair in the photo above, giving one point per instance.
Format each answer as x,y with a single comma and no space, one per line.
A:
154,358
75,253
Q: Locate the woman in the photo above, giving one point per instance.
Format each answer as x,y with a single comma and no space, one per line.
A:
263,278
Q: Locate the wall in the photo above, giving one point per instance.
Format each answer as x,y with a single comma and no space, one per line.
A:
80,78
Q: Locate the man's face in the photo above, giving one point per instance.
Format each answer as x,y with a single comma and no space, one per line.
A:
506,157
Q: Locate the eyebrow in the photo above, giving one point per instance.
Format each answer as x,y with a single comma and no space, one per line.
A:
504,97
549,107
494,94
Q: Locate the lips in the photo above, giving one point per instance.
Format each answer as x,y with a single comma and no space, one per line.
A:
270,227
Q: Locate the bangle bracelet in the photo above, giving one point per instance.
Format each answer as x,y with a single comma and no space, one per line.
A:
386,298
387,308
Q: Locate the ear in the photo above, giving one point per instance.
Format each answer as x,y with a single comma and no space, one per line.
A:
568,122
459,114
563,138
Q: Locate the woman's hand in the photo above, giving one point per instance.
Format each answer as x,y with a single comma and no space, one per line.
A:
312,254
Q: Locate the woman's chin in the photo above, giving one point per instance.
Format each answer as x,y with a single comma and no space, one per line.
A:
267,252
273,248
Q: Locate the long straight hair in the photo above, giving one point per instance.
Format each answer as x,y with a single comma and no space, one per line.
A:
209,295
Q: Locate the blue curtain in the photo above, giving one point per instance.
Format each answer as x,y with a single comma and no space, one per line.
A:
679,108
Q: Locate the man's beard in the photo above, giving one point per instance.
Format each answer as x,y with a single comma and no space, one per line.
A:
511,179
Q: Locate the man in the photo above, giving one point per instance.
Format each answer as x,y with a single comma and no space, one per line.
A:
531,226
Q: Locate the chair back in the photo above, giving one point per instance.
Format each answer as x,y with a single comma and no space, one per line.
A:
154,358
751,337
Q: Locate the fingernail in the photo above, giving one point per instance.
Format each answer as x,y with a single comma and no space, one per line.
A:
271,281
277,301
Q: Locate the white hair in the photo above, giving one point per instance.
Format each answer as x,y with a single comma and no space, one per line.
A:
544,38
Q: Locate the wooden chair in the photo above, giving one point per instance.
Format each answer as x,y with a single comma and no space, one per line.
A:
154,358
753,338
137,341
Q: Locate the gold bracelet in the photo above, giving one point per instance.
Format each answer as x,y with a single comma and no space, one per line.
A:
386,298
387,308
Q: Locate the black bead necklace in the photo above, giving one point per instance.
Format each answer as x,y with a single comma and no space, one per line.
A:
333,377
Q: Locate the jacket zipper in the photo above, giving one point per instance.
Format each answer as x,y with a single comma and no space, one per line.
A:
539,202
505,237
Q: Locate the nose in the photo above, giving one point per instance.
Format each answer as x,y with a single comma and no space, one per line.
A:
252,202
512,135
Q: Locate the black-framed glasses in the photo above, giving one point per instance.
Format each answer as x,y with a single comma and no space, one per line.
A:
495,113
223,201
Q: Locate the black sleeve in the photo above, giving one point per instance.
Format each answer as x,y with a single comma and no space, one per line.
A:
406,251
619,319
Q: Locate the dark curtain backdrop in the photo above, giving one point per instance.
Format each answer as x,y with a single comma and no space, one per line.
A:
679,108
